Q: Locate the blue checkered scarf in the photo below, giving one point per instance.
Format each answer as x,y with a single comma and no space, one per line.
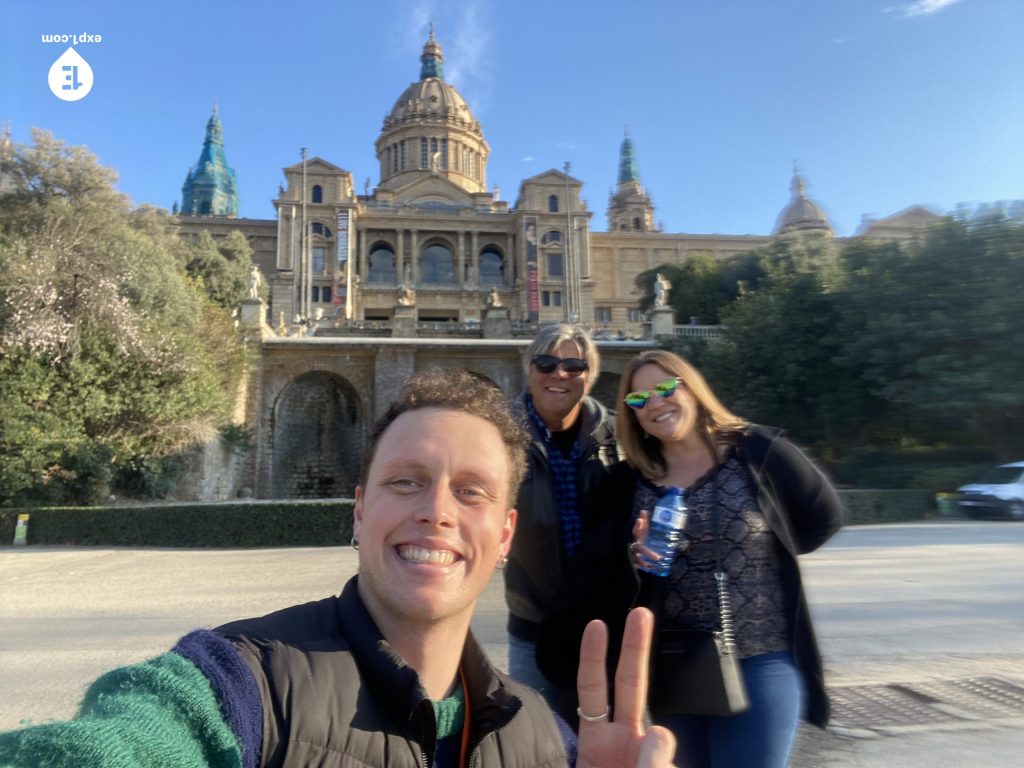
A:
564,471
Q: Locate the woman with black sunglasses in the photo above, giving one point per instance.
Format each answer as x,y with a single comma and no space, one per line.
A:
572,445
754,502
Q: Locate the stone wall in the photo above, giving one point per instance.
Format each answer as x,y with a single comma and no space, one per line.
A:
312,401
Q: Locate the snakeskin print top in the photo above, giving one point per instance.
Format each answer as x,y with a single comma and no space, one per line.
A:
751,555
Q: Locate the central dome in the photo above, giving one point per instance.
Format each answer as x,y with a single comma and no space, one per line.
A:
801,215
431,130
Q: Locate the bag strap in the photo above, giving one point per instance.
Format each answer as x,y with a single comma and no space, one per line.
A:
728,630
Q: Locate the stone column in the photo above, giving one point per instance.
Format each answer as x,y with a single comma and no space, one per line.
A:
474,257
399,256
364,254
414,247
391,367
460,259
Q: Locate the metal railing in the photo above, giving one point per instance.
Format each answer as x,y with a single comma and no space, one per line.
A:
698,331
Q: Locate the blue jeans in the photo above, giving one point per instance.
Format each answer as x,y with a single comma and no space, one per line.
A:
522,666
761,737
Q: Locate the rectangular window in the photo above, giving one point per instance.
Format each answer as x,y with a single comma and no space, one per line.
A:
319,259
545,298
424,160
602,314
394,158
315,293
635,315
401,146
555,265
556,297
444,154
325,294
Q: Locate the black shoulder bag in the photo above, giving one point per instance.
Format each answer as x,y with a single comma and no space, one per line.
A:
697,672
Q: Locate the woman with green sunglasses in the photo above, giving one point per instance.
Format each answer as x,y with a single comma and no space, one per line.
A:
755,502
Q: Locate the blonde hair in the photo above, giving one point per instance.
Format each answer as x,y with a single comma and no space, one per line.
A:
715,423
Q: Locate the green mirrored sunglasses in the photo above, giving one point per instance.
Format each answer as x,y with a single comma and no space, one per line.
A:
663,389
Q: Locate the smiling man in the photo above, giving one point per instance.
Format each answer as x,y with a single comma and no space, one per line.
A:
388,672
572,445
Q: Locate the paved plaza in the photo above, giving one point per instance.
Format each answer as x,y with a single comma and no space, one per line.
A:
920,626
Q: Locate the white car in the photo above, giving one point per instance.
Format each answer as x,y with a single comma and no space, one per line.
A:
1000,493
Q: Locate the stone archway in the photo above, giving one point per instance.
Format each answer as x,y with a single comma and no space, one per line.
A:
318,438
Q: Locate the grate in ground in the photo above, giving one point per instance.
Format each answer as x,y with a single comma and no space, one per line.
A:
983,698
883,707
898,707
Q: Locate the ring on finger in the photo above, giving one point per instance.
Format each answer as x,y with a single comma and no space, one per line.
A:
596,718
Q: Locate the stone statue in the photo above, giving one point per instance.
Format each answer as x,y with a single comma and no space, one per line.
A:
255,281
661,289
406,296
494,298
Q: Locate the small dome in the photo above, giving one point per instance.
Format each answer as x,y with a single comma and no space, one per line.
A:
801,215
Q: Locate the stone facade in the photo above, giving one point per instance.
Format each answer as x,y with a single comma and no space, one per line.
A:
430,244
431,224
312,401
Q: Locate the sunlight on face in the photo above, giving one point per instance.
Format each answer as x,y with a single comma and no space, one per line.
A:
434,517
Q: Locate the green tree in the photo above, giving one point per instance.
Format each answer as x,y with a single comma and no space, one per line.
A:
936,331
108,351
222,266
702,286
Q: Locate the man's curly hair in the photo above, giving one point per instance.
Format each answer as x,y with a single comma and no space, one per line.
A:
455,389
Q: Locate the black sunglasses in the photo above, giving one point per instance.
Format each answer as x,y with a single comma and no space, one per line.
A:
573,366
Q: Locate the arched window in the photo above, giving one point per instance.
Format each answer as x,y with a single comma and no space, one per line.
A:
553,204
551,236
381,264
492,266
636,223
318,193
436,265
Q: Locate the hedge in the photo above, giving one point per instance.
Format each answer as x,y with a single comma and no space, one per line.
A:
887,506
306,523
248,524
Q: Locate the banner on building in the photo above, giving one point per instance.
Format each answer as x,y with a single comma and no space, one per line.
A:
532,274
343,271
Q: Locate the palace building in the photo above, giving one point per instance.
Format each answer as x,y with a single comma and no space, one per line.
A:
431,235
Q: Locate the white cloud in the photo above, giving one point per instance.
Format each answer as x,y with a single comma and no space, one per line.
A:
527,159
919,7
466,65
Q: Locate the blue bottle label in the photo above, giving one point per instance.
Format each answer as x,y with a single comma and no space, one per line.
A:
668,517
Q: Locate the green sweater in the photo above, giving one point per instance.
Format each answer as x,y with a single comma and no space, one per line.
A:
162,712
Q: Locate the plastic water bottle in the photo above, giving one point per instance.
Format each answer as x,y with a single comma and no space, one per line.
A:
667,521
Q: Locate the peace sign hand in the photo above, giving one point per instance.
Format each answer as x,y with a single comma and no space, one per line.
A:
619,739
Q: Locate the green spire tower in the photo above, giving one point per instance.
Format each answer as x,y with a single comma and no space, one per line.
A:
627,162
629,207
210,188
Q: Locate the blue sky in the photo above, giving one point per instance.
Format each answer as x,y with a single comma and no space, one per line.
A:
882,103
